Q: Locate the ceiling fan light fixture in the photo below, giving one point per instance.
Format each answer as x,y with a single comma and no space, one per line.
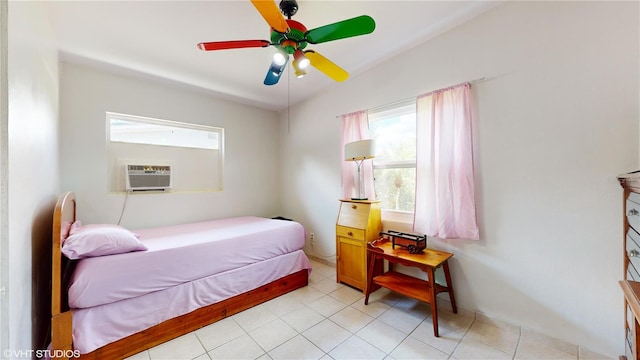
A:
303,61
300,73
296,67
279,58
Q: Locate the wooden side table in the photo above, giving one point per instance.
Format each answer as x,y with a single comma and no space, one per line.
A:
429,260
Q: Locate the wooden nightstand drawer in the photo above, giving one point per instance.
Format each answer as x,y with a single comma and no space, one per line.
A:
354,214
347,232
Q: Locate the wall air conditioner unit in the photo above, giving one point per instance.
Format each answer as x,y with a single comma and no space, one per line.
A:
148,177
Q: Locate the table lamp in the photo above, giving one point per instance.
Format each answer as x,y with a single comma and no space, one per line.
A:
359,151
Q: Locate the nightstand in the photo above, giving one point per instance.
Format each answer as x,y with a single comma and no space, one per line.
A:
359,222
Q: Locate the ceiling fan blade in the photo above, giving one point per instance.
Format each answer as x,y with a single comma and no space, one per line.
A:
274,73
234,44
359,25
326,66
271,14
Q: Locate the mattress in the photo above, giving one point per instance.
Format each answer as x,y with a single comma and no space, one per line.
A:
180,254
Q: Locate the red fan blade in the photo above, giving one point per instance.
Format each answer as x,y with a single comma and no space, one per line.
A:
235,44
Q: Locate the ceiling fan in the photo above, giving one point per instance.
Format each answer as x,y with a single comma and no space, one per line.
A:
290,37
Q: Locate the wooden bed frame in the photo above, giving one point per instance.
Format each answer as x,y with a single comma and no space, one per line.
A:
61,315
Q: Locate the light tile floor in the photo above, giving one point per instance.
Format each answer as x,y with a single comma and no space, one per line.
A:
326,320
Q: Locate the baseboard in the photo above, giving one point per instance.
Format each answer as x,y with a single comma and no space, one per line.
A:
321,260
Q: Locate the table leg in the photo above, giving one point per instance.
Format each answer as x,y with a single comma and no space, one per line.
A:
372,263
434,302
447,277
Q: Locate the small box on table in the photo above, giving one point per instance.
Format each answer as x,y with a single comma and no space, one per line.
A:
415,243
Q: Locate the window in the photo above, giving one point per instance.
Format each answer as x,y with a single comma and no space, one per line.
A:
188,148
148,132
394,167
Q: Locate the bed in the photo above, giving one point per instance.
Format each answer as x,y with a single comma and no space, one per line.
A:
186,277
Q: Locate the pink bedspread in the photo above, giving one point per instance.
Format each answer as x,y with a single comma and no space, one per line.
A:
180,254
97,326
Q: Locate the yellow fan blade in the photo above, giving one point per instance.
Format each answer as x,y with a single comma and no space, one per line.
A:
271,14
326,66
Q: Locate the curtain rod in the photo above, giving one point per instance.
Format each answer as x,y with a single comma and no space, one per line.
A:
411,98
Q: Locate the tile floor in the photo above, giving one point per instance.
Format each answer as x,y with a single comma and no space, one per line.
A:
326,320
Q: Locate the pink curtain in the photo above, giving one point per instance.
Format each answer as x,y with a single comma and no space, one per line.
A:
445,192
355,126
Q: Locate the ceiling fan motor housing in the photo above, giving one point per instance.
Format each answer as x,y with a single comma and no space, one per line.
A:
292,40
289,8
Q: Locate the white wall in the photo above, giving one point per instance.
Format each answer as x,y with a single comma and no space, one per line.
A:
251,164
32,174
556,121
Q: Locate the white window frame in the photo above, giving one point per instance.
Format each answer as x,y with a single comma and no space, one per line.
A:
165,123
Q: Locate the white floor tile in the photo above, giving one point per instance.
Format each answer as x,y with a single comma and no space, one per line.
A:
323,270
326,335
411,348
306,294
375,308
348,295
327,305
351,319
254,317
326,286
356,348
185,347
297,348
473,350
271,335
446,342
327,320
501,338
218,333
405,320
283,305
303,318
243,347
585,354
204,356
381,335
139,356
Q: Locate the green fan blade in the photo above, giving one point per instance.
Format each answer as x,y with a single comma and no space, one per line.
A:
360,25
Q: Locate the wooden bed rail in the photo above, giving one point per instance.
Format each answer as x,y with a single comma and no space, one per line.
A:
61,317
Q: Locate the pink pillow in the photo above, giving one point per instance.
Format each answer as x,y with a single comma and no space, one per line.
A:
98,240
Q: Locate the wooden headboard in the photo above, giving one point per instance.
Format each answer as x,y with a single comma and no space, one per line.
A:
61,319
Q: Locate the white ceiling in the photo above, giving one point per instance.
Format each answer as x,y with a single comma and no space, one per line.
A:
159,38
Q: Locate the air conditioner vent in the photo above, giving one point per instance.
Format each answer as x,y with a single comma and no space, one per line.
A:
148,177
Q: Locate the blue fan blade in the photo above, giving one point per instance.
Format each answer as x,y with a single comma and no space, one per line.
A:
274,73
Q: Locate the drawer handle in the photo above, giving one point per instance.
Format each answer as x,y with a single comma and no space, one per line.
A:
634,253
354,207
632,212
351,234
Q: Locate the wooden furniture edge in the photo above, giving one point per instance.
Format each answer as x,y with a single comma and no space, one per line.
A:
61,315
630,181
631,290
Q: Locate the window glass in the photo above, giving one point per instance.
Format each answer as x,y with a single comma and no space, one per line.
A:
145,131
394,131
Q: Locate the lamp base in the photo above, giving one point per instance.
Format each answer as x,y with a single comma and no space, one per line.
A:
359,198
